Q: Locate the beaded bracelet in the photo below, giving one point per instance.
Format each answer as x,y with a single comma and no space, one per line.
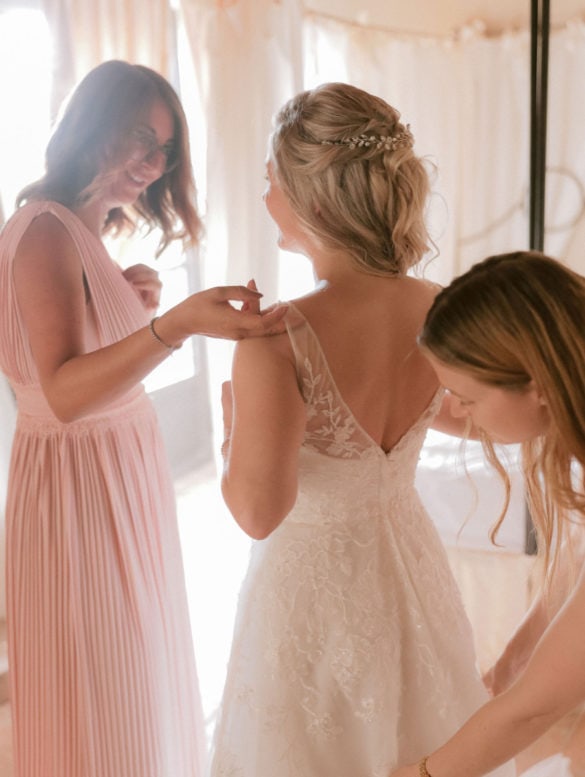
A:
422,767
170,348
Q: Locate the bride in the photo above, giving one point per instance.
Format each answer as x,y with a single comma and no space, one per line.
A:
351,650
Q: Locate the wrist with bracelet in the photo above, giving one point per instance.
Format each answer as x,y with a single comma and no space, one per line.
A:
422,767
154,333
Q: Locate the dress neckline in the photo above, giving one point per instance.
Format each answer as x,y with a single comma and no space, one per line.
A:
429,409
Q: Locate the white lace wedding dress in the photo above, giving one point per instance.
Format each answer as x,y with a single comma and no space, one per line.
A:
351,652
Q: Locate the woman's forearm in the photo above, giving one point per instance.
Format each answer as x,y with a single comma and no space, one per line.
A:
552,685
519,649
85,382
88,382
490,738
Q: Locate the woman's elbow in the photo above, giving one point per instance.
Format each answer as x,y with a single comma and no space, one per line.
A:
258,518
255,529
259,524
67,405
65,411
62,411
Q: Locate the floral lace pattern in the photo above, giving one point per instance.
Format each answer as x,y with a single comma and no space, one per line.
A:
351,651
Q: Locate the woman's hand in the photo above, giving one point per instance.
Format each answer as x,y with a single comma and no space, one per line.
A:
146,284
211,313
252,306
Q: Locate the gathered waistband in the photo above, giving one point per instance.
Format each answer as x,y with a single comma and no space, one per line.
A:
34,411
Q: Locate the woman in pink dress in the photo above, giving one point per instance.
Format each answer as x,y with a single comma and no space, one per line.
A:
103,681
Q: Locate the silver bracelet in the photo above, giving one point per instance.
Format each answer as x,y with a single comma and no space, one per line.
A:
170,348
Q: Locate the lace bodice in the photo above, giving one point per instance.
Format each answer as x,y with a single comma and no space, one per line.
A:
332,428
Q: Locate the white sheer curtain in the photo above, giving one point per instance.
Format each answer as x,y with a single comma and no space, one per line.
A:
247,60
247,57
87,32
465,95
565,207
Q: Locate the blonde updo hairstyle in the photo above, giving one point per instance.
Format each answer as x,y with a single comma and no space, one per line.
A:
368,200
510,320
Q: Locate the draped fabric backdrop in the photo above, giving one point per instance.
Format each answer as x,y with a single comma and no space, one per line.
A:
466,97
247,60
87,32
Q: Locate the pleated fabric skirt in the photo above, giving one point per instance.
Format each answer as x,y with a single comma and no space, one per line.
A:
103,679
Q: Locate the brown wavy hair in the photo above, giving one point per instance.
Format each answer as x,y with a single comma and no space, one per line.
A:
365,200
512,319
92,136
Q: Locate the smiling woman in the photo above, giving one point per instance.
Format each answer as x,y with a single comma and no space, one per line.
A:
90,494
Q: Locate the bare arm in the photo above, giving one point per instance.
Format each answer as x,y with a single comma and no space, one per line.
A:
552,684
51,297
519,648
542,611
259,482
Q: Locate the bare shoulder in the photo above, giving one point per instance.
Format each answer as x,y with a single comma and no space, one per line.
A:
45,238
44,231
48,275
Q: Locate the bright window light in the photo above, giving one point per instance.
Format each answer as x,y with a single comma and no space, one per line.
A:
25,85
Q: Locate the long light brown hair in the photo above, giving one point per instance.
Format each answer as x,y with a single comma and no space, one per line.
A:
365,199
510,320
92,136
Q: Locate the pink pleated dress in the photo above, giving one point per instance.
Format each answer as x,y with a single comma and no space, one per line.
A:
103,680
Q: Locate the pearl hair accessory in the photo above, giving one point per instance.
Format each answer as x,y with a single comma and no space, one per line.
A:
402,139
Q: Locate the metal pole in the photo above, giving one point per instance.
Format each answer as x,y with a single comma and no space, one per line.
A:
539,40
540,29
